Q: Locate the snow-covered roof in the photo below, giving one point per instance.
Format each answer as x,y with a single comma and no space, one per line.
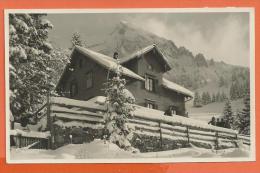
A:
106,61
175,87
138,54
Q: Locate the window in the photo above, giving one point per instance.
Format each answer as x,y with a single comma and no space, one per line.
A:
151,104
89,80
73,89
80,63
149,83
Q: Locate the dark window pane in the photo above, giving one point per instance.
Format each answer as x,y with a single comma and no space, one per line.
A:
73,90
89,80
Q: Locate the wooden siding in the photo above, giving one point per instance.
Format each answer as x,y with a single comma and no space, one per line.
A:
163,97
79,77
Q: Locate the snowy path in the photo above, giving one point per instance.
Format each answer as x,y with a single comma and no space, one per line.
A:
98,150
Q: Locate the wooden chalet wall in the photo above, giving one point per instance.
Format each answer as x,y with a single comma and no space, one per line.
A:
162,97
78,77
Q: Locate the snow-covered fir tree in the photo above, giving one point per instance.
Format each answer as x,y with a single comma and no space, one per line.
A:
243,117
76,40
62,57
119,109
228,114
29,56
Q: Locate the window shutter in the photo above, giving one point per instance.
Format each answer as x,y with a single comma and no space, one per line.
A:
144,82
155,85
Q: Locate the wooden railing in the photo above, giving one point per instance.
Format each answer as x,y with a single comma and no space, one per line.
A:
68,112
32,140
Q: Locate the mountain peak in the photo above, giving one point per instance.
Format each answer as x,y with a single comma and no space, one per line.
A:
123,22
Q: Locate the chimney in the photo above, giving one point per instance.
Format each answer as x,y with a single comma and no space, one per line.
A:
115,56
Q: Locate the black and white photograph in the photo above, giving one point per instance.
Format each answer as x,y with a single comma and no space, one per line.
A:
130,85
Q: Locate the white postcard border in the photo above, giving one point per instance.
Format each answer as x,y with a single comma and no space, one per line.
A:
251,12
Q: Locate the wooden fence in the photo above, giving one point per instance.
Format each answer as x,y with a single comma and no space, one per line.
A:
147,123
32,140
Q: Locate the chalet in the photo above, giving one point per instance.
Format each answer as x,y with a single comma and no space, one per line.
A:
84,76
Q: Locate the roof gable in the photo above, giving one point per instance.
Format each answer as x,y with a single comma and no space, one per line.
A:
138,54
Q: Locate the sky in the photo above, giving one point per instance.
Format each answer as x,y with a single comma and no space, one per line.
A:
221,36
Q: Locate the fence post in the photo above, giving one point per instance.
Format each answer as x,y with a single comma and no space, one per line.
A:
188,136
19,137
236,139
160,131
49,142
48,112
49,121
216,142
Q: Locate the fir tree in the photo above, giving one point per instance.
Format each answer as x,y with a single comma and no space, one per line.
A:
119,110
213,97
223,96
221,81
243,121
218,97
208,98
29,56
197,100
76,40
204,98
228,114
232,92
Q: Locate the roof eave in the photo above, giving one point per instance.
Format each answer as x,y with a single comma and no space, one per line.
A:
185,94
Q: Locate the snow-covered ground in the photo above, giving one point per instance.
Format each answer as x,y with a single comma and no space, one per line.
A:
100,150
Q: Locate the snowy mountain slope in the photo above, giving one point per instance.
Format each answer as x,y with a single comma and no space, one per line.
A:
193,71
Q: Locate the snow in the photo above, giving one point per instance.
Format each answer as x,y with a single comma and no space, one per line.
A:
22,25
77,103
48,45
98,149
11,117
206,117
12,30
247,138
175,87
78,124
107,62
18,50
128,94
72,111
46,22
78,117
34,51
137,53
30,133
157,115
98,99
147,115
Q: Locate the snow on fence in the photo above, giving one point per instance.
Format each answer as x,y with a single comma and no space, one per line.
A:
35,140
146,122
